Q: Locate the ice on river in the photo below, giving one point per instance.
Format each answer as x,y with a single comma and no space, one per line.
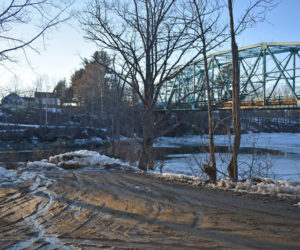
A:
285,166
285,142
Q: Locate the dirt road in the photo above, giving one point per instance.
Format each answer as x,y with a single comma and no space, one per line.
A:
104,209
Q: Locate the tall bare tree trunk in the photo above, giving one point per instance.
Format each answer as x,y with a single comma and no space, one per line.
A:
146,160
210,169
233,165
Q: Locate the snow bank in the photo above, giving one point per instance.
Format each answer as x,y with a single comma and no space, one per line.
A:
83,158
74,160
256,186
260,186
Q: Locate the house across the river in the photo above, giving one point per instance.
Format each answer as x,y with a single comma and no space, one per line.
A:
14,102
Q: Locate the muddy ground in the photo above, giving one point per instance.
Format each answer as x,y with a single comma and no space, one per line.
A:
124,209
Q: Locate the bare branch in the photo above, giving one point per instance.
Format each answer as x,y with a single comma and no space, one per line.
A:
41,15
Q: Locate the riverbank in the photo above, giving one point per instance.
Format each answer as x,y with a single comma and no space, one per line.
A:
271,155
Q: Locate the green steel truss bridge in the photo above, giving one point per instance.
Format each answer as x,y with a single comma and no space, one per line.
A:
269,79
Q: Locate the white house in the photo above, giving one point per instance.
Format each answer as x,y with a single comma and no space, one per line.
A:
13,102
46,99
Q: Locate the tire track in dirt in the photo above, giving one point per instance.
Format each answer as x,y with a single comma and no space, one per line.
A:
92,209
38,210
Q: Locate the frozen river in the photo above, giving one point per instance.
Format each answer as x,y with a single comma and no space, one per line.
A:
273,155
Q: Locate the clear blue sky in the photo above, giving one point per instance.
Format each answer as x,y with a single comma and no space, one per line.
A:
282,25
65,47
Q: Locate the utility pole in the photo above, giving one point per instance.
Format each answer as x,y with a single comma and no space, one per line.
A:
46,120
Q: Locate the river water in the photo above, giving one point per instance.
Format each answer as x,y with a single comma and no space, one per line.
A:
272,155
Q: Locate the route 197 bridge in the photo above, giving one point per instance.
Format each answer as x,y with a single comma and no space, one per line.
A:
269,79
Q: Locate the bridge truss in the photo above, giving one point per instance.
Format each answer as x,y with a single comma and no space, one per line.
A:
269,78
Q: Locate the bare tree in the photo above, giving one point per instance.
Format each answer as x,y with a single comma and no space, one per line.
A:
40,15
205,26
255,12
117,110
151,41
233,165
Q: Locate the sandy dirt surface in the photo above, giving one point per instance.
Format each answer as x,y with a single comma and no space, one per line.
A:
122,209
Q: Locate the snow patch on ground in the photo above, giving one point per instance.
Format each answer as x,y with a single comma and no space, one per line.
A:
297,204
27,176
260,186
181,177
7,175
279,188
41,164
40,183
